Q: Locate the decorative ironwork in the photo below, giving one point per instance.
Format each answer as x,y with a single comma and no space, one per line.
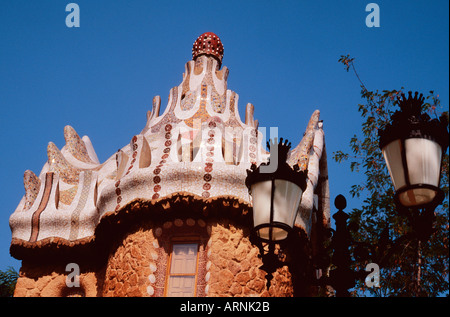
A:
274,257
410,122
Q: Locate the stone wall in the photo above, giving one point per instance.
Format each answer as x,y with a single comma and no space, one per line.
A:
228,264
47,280
129,266
235,266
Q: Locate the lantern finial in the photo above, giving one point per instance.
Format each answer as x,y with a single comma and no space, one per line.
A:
410,122
282,150
411,106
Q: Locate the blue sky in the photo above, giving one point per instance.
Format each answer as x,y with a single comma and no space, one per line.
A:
283,56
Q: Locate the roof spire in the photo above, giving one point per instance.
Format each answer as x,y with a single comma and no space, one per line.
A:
208,44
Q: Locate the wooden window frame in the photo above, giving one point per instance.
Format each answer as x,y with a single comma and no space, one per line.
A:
182,240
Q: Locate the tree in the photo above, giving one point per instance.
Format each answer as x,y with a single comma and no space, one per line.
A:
8,281
408,267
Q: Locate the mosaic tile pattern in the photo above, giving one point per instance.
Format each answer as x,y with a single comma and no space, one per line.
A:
198,66
170,116
75,216
186,80
67,196
233,121
218,102
75,145
118,191
201,114
207,177
202,161
208,43
188,101
32,184
164,159
43,204
59,165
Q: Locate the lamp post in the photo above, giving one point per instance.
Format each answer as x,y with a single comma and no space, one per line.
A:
342,278
413,146
276,198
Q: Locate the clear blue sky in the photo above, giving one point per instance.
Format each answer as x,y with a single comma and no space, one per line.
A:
283,56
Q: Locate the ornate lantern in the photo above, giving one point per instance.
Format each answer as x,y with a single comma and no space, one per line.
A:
276,195
413,147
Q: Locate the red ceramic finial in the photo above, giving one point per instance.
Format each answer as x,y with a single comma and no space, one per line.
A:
208,44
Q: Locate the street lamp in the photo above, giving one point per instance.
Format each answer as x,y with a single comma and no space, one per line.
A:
276,197
413,147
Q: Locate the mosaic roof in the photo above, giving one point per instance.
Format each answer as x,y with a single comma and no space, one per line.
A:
198,147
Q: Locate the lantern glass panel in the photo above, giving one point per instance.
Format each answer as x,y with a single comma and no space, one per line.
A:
423,164
261,202
423,158
417,196
393,157
424,161
287,196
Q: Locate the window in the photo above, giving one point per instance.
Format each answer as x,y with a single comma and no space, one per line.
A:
181,281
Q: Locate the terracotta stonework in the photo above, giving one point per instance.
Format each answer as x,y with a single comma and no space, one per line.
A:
235,266
229,265
50,281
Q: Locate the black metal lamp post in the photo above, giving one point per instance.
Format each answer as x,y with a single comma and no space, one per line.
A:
413,146
276,197
342,278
